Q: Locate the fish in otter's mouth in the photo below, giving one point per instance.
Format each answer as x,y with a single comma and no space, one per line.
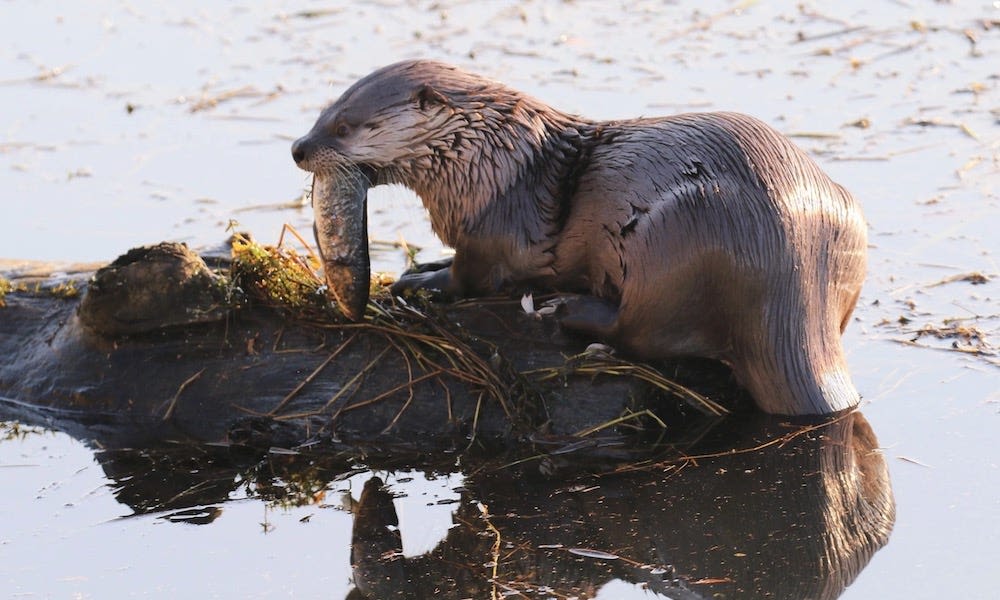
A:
339,201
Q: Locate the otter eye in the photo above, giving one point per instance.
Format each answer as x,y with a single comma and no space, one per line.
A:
342,130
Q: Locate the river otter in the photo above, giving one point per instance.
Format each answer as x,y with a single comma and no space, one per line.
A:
697,234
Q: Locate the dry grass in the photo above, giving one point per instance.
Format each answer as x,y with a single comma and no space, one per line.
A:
594,364
287,280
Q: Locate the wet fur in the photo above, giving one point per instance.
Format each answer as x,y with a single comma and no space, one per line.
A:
699,234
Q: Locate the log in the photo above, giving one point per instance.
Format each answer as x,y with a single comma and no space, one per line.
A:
153,347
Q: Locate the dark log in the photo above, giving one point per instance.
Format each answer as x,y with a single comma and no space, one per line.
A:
147,352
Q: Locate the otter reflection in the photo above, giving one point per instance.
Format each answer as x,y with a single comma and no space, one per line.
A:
797,518
795,512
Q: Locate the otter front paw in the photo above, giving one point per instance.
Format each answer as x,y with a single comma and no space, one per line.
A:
433,277
434,265
588,315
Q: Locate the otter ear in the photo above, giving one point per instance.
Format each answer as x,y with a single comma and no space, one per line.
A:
425,95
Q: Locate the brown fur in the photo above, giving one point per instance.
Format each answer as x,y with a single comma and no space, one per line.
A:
699,234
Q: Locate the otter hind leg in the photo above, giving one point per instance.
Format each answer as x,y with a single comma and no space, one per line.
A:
589,315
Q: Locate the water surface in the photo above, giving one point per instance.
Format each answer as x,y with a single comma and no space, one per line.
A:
126,125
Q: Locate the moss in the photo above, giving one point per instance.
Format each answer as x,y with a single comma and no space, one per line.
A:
65,290
7,287
282,278
278,277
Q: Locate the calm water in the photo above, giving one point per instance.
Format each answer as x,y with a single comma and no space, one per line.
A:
126,125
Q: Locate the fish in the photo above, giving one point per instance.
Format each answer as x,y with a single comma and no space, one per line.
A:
340,210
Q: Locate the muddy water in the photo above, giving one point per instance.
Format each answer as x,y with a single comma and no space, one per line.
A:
126,125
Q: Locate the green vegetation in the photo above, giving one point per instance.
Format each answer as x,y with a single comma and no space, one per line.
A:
64,289
282,278
277,276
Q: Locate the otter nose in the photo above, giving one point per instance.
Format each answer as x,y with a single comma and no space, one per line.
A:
299,150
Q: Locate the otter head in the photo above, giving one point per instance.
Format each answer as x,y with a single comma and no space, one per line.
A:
385,123
456,139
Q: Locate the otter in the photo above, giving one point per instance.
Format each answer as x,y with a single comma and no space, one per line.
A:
701,234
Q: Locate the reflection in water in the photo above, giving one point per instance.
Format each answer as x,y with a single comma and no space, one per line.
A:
795,519
795,512
171,480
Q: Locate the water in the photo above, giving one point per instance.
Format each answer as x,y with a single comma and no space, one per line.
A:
84,179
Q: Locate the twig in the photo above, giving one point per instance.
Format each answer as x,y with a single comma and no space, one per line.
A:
351,383
312,375
621,419
974,278
707,22
180,389
983,352
408,384
779,441
295,233
913,461
475,421
495,550
207,102
347,386
829,34
608,366
447,399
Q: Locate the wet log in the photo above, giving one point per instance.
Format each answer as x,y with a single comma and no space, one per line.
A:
153,348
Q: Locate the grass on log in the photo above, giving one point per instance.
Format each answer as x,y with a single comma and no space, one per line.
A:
288,280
